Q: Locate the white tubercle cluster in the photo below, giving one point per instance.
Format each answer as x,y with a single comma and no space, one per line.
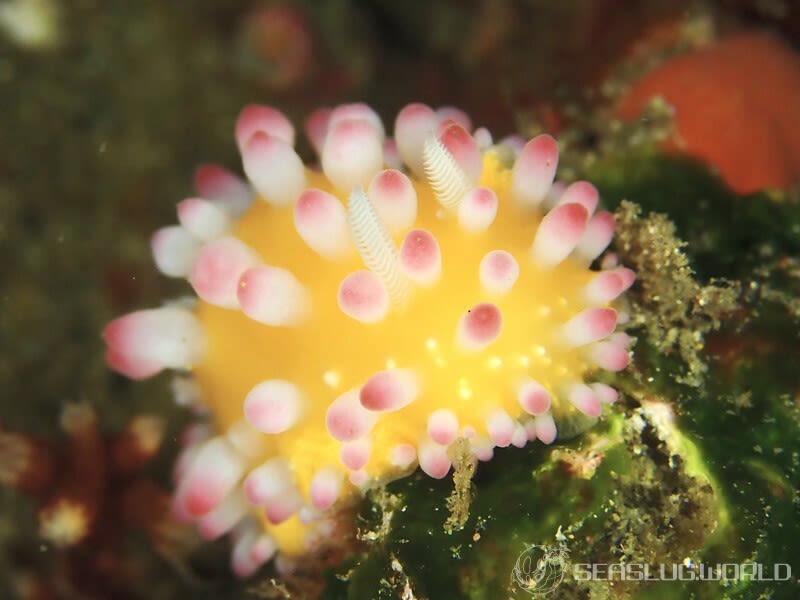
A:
370,213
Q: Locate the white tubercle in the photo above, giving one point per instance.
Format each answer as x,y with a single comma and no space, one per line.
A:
605,393
443,426
133,367
452,113
352,153
263,549
498,272
433,459
389,390
165,337
244,538
477,209
581,192
186,392
363,297
500,427
604,287
279,508
252,548
357,111
227,190
534,170
403,455
205,220
269,480
174,250
246,439
483,137
414,124
545,428
513,144
421,258
584,399
273,406
533,397
519,437
463,148
553,195
355,454
479,327
359,479
347,419
559,233
326,485
274,168
449,181
273,296
255,117
214,473
589,325
217,268
224,517
608,355
375,246
192,438
394,199
481,448
321,220
626,275
622,339
596,238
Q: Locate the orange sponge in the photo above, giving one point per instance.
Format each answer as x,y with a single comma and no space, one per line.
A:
737,106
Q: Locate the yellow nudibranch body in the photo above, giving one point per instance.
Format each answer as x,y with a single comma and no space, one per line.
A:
354,321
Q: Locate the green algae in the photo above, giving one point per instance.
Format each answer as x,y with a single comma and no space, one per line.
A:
591,495
729,236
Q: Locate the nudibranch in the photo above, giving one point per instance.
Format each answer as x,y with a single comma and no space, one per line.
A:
354,319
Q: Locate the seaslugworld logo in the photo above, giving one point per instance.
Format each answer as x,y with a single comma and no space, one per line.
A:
685,571
540,569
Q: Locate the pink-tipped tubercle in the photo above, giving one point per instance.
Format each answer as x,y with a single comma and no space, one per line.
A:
420,257
559,233
389,390
394,199
143,342
414,124
273,296
217,268
273,406
443,426
590,325
255,117
347,419
478,209
534,170
214,472
463,148
274,168
363,297
352,153
498,271
479,327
